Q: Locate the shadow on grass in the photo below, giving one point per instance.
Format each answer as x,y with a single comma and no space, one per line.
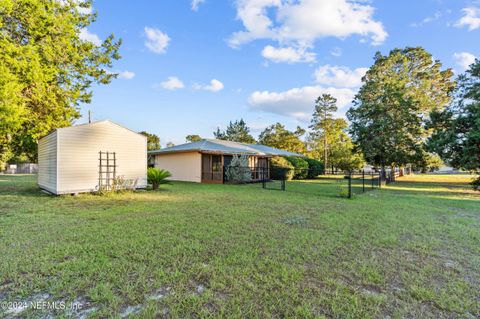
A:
435,190
26,186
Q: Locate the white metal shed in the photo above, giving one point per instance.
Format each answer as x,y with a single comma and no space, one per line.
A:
69,158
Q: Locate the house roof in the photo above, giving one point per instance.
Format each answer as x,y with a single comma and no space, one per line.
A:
224,147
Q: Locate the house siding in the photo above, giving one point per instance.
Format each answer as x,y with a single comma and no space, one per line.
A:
47,162
183,166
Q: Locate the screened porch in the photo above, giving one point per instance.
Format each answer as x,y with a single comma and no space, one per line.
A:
215,166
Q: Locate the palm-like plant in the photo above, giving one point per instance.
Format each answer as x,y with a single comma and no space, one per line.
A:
156,177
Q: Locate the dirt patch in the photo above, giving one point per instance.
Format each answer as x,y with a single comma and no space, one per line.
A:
370,290
131,310
313,283
160,293
19,306
200,289
81,308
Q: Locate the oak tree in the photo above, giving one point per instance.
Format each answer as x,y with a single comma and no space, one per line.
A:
278,136
391,108
46,69
456,136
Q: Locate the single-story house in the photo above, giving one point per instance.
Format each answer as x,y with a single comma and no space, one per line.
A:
204,161
91,157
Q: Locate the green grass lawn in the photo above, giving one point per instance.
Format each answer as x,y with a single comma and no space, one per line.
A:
409,250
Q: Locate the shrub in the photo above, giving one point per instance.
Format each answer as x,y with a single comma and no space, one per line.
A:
156,177
476,184
238,170
315,167
281,169
300,165
343,191
120,183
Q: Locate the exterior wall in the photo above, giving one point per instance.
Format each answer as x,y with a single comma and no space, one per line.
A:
47,163
78,155
183,166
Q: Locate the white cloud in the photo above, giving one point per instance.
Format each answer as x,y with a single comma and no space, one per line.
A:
88,10
429,19
464,59
339,76
257,127
300,23
127,75
336,52
157,41
298,102
81,9
471,18
172,83
214,86
288,54
196,4
85,35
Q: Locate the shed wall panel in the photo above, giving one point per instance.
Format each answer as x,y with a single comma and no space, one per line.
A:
78,155
47,163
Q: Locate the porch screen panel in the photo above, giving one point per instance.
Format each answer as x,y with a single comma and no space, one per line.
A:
217,169
206,167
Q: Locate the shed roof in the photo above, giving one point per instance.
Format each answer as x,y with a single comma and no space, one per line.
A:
92,123
225,147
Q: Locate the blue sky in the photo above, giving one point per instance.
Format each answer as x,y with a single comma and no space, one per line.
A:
188,66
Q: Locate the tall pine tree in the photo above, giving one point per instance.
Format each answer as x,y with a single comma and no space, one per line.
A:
323,123
237,131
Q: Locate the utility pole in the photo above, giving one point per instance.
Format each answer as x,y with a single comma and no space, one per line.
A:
89,117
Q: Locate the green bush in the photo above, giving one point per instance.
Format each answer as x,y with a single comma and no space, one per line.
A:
156,177
476,184
281,169
315,167
300,165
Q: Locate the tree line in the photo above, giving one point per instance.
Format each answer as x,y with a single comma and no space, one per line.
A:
326,138
409,110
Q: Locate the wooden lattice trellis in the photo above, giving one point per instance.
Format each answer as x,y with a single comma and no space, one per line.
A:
107,170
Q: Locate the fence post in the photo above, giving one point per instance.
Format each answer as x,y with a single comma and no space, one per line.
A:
379,181
372,181
264,179
350,184
363,179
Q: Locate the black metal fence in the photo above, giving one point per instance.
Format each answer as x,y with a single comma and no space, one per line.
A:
362,181
346,183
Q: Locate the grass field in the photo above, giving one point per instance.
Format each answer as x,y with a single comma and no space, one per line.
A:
408,250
